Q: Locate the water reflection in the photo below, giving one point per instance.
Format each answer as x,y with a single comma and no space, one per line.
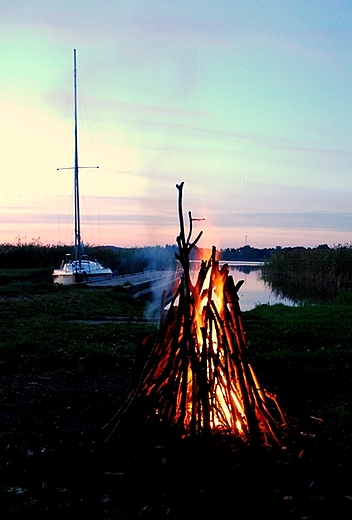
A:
255,291
301,290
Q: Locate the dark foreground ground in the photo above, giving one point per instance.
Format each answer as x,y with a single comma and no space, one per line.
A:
53,464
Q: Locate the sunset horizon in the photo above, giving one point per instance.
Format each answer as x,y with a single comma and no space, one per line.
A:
248,104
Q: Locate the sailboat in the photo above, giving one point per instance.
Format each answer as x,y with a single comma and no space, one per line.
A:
77,268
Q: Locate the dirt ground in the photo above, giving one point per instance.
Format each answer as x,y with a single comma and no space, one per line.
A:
54,463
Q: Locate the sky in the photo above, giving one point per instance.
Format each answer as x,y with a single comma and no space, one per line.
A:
249,103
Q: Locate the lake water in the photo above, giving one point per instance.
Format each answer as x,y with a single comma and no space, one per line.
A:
254,291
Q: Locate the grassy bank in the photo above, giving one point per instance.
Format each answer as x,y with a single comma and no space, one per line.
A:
306,352
66,355
77,328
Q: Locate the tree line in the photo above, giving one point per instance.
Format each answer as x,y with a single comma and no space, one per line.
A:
322,263
120,260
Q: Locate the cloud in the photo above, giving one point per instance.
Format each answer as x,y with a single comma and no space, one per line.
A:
117,108
180,26
302,221
182,121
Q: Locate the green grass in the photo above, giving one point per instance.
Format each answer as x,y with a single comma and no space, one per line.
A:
302,353
49,327
280,330
306,352
13,276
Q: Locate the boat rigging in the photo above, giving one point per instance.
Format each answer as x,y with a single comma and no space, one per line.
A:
78,269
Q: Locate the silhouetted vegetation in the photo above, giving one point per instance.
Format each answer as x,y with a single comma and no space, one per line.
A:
34,255
247,253
314,275
310,274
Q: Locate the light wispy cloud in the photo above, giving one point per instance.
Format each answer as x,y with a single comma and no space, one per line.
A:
181,121
303,221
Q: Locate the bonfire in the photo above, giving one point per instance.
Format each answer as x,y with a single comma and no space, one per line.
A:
197,378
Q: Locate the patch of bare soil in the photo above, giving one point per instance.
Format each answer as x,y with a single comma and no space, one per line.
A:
54,462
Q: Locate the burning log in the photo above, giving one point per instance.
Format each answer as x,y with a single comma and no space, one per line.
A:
198,378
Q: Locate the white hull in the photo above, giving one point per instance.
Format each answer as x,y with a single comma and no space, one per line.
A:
89,271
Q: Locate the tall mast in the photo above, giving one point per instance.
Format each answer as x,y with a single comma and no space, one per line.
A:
78,245
78,248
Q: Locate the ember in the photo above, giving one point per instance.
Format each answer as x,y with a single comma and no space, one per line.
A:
197,377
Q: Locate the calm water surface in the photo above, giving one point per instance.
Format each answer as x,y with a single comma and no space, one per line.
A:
254,291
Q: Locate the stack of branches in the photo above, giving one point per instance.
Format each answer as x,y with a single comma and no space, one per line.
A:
197,377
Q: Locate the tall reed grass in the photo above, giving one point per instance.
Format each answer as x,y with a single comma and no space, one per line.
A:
310,274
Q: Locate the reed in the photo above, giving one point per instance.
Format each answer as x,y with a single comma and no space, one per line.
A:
314,275
34,255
